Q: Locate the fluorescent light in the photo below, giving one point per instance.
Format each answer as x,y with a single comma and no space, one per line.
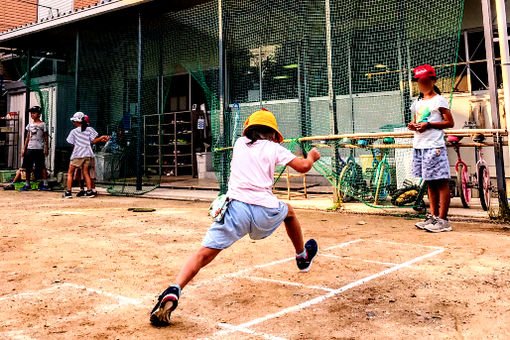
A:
281,77
380,66
290,66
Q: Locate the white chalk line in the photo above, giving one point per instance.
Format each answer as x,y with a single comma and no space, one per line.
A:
245,270
406,244
297,284
233,329
330,294
356,259
122,299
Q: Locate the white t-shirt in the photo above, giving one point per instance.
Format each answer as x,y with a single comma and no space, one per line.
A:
36,132
81,141
252,171
427,110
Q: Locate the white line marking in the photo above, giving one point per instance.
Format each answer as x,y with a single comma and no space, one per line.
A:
18,335
255,278
122,299
341,245
232,329
331,294
242,271
406,244
355,259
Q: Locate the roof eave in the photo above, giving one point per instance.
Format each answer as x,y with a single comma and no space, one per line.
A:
78,15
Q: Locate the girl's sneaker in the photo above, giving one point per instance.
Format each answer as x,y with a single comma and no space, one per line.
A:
167,303
305,263
81,193
44,188
26,187
67,194
89,194
438,225
429,218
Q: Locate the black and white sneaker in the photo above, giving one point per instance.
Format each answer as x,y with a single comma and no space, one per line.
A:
305,263
67,194
167,303
89,194
81,193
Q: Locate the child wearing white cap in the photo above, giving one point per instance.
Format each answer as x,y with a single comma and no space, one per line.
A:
81,138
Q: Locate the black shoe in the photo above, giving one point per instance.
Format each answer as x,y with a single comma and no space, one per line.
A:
304,264
9,186
81,193
167,303
67,194
89,194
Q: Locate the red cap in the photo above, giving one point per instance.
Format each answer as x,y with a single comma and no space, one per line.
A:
87,119
424,71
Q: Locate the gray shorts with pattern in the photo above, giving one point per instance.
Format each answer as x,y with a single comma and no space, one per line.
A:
431,164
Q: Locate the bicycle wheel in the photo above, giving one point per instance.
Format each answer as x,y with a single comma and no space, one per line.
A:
484,187
462,185
380,182
342,180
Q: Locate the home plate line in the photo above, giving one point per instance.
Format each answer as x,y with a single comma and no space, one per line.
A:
256,278
331,294
233,329
355,259
245,270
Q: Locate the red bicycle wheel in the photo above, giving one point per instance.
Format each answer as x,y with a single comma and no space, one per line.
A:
484,187
462,185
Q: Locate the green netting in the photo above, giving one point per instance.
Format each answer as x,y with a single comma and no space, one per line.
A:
322,67
334,67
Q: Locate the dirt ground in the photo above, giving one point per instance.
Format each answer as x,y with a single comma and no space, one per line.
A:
89,268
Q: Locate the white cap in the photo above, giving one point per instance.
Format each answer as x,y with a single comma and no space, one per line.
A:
78,117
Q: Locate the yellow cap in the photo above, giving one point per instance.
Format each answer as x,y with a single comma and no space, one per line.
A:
263,117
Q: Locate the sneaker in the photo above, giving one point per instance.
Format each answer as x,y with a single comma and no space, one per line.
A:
305,263
167,303
26,187
429,218
9,186
89,194
67,194
81,193
438,225
44,188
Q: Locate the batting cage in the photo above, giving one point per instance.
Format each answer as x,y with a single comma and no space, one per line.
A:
169,83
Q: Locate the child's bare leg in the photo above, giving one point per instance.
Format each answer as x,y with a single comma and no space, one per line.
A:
444,198
70,174
433,197
85,173
194,263
294,230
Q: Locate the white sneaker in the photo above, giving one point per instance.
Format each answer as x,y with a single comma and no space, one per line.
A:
438,225
429,218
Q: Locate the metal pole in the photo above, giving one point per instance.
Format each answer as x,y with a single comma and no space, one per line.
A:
221,73
76,73
332,98
468,61
28,79
505,58
494,103
260,76
139,170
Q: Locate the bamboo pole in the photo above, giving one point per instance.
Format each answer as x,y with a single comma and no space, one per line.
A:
407,134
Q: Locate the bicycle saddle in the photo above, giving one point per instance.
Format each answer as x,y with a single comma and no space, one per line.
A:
453,139
479,138
389,140
362,142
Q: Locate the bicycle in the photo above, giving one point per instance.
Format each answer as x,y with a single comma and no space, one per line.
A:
480,179
351,179
382,176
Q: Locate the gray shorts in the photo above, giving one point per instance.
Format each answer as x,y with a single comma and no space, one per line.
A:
242,219
431,164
